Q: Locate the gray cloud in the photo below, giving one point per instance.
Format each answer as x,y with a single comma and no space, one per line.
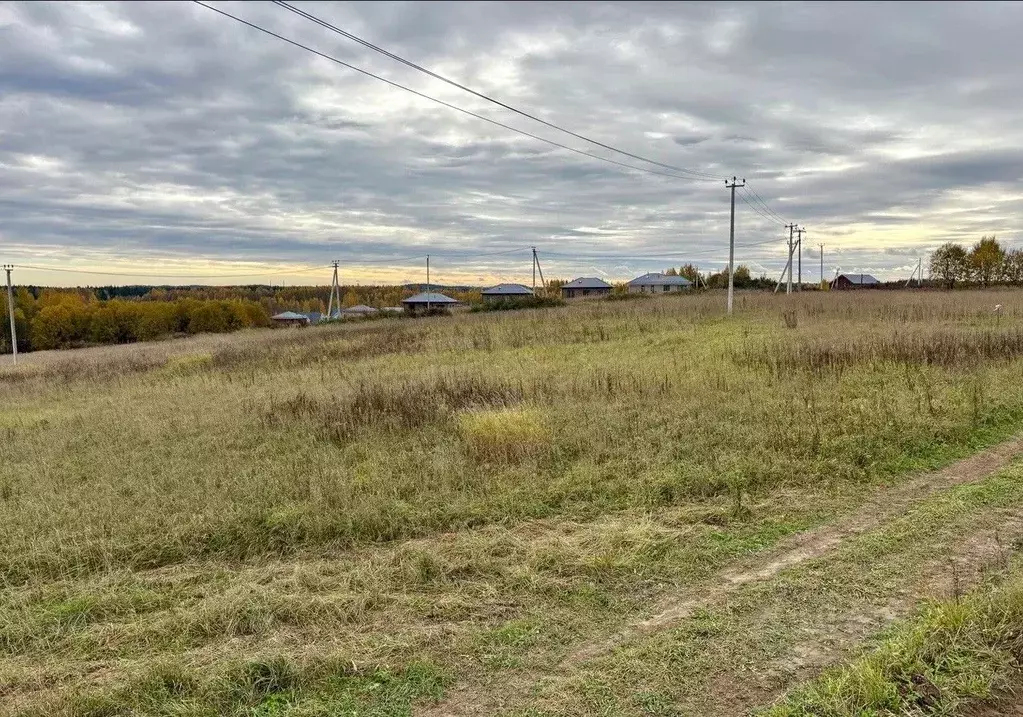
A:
134,135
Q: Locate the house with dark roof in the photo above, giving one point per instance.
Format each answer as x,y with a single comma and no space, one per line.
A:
585,286
502,292
428,300
855,281
658,284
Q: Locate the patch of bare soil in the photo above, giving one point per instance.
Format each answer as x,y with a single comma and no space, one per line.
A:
472,700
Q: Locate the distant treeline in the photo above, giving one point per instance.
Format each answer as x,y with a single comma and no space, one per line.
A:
58,319
48,318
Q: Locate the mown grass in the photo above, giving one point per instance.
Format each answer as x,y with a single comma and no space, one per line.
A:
463,492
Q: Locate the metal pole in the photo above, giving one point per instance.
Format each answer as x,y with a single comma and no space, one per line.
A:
10,312
731,243
427,282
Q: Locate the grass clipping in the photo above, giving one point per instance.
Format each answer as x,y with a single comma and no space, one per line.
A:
956,655
507,435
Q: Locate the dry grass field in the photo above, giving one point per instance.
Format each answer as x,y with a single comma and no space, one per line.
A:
612,508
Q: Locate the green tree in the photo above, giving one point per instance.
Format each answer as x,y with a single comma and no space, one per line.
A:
986,259
1012,267
949,264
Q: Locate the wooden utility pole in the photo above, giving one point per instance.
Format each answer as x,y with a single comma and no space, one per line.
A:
335,287
427,282
731,242
10,312
799,248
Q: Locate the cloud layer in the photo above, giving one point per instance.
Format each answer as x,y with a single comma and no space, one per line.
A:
142,138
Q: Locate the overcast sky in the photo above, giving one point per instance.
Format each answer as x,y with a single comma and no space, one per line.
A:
143,138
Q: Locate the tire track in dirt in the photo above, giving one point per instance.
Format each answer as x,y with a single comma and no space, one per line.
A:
476,700
834,638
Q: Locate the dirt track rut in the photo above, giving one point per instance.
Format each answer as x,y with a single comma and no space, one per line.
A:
475,700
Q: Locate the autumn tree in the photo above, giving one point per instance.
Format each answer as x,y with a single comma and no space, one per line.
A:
949,264
689,272
986,259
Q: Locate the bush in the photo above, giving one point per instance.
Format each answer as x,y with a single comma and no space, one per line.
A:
626,296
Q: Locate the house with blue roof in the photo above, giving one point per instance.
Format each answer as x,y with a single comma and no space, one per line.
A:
585,286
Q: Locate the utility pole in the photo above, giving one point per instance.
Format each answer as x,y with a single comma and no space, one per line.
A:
10,312
536,265
427,282
788,264
731,242
334,287
787,269
918,271
799,248
534,270
822,266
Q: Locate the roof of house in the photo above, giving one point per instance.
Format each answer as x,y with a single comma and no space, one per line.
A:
859,278
359,309
507,290
429,297
655,279
585,282
314,317
290,316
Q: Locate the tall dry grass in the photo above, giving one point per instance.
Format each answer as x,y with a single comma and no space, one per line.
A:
446,485
147,455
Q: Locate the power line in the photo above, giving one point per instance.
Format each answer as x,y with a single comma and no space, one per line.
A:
758,210
764,204
417,93
172,276
488,98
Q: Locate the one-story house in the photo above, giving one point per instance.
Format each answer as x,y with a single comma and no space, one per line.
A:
854,281
290,318
506,291
428,300
585,286
658,284
359,311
